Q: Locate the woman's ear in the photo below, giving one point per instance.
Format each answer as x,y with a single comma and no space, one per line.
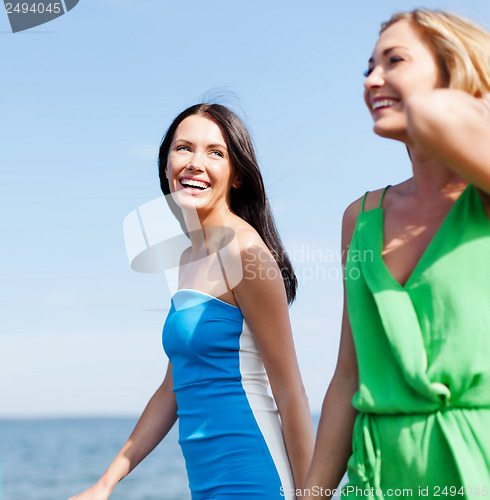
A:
166,172
237,182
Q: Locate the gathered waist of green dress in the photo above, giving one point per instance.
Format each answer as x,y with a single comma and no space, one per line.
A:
404,405
422,411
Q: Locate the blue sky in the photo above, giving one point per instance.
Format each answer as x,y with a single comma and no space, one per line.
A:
85,101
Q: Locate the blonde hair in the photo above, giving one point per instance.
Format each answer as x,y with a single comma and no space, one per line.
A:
461,47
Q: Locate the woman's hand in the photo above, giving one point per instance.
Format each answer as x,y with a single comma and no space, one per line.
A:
453,127
95,492
157,419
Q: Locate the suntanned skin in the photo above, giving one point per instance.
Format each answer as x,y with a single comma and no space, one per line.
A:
198,151
447,133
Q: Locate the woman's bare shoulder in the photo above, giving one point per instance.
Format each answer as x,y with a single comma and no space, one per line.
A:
371,200
248,237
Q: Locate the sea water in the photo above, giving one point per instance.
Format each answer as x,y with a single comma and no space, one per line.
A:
57,458
54,459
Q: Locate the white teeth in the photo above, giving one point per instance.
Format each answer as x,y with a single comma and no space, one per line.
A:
383,104
193,184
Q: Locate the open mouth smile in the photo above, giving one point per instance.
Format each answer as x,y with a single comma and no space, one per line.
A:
194,184
383,103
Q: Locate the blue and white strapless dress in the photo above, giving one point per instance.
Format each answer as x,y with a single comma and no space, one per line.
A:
229,427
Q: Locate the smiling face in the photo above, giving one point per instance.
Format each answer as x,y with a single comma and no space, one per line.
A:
401,66
198,169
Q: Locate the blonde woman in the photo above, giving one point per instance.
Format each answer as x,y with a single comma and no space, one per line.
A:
408,409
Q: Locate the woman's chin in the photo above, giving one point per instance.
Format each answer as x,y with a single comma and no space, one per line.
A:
186,200
395,133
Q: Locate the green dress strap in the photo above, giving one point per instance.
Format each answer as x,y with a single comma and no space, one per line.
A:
383,195
363,200
380,201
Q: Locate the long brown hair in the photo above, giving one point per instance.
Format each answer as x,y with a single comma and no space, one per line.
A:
249,201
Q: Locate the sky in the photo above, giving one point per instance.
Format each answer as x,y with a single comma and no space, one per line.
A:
85,101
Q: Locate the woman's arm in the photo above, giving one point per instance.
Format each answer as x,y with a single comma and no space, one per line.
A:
157,419
454,128
262,299
334,436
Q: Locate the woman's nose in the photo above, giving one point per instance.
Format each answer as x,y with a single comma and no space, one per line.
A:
374,79
196,163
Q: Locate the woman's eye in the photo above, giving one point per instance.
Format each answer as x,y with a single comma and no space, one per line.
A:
391,61
218,153
395,59
182,148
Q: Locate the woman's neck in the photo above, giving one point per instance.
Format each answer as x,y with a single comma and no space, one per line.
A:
431,177
204,227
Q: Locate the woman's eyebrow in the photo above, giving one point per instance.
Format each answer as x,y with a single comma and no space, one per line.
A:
387,51
212,145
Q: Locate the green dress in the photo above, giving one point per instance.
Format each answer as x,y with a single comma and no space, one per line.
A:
423,352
